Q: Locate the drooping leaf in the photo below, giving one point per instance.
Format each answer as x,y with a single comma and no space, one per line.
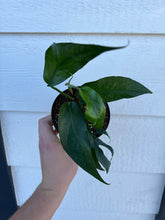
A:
94,154
116,87
100,154
95,109
100,142
62,60
76,139
101,131
102,158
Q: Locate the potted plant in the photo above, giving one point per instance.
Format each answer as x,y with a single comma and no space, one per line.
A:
81,113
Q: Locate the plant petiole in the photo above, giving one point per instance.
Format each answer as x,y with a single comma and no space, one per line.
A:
62,93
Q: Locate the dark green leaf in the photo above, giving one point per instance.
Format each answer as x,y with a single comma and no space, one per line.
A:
102,158
93,150
76,139
62,60
101,131
100,142
100,155
116,87
95,108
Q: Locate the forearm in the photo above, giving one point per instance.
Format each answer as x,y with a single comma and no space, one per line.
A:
41,205
58,170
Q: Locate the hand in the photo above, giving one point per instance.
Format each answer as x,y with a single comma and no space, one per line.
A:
58,169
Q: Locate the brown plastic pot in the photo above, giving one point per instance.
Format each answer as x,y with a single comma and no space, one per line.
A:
60,99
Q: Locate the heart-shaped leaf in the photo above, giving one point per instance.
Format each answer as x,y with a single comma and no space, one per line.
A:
95,108
63,59
76,139
116,87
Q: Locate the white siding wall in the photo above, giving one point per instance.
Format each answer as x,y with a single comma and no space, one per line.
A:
137,125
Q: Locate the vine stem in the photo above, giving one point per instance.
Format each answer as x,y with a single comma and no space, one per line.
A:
62,93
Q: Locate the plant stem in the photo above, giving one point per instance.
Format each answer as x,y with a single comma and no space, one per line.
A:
62,93
72,86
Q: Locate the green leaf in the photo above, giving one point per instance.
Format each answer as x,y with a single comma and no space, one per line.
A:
101,131
116,87
62,60
95,109
100,142
100,155
94,154
76,139
102,158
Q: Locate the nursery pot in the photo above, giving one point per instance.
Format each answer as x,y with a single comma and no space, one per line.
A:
60,99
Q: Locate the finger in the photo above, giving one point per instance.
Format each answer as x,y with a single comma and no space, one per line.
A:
46,123
46,120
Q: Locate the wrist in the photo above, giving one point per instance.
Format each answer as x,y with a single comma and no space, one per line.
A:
49,199
51,193
41,205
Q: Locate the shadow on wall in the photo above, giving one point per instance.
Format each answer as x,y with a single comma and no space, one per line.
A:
7,196
161,214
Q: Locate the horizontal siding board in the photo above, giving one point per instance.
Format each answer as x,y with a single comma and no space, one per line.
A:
22,62
136,127
21,52
138,142
100,215
128,192
83,16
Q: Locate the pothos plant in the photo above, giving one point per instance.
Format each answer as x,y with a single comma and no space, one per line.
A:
80,113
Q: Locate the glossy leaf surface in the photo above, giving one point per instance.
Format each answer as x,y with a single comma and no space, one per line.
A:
62,60
116,87
76,139
95,108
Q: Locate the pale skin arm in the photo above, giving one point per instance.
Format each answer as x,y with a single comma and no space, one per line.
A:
58,170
